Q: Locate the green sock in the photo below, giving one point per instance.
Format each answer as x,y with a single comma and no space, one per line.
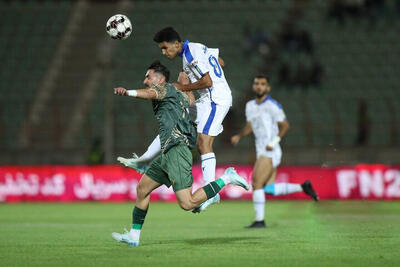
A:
138,216
213,188
220,182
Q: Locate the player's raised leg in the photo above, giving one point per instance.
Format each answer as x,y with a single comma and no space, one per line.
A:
209,125
262,172
188,200
209,119
177,163
145,186
279,189
140,164
208,165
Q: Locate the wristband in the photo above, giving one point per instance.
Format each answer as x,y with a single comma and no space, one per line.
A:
274,141
132,93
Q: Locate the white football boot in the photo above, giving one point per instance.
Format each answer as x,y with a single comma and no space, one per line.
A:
125,238
230,177
133,163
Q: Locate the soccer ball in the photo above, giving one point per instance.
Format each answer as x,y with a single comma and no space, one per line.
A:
119,27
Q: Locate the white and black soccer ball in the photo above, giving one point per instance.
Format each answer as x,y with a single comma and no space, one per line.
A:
119,27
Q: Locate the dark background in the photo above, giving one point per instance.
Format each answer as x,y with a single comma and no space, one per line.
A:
333,66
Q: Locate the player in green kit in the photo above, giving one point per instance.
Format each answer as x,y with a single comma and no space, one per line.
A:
174,165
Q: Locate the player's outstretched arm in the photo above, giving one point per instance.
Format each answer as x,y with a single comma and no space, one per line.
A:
148,93
244,132
204,82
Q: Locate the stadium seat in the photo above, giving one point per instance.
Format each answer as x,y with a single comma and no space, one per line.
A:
25,56
359,60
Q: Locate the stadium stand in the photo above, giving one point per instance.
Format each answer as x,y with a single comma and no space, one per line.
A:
358,58
26,47
352,99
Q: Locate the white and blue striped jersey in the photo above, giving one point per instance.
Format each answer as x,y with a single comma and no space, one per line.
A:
264,118
198,59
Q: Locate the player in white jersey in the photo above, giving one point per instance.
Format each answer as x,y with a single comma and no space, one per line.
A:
203,67
266,119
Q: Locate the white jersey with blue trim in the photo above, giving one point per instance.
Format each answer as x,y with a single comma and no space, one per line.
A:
264,118
198,59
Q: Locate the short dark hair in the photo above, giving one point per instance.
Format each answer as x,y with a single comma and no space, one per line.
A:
262,76
159,68
167,35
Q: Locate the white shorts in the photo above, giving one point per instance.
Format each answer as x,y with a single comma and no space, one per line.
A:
210,117
275,155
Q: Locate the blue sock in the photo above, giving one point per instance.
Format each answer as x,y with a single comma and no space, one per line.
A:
280,189
270,189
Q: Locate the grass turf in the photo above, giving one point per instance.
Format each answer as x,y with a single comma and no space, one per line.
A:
298,234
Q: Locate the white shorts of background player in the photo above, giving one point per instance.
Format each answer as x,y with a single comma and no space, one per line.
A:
275,154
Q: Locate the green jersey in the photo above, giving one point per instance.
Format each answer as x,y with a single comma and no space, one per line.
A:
174,123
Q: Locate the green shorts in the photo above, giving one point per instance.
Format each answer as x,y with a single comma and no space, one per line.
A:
173,168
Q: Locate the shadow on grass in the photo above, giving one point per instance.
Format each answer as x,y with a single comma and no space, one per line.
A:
219,240
209,241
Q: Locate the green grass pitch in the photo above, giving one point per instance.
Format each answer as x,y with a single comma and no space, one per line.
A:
299,233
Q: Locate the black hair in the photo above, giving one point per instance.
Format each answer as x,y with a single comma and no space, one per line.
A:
167,35
262,76
159,68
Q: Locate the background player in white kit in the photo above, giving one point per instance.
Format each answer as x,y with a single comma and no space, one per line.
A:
266,119
203,67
